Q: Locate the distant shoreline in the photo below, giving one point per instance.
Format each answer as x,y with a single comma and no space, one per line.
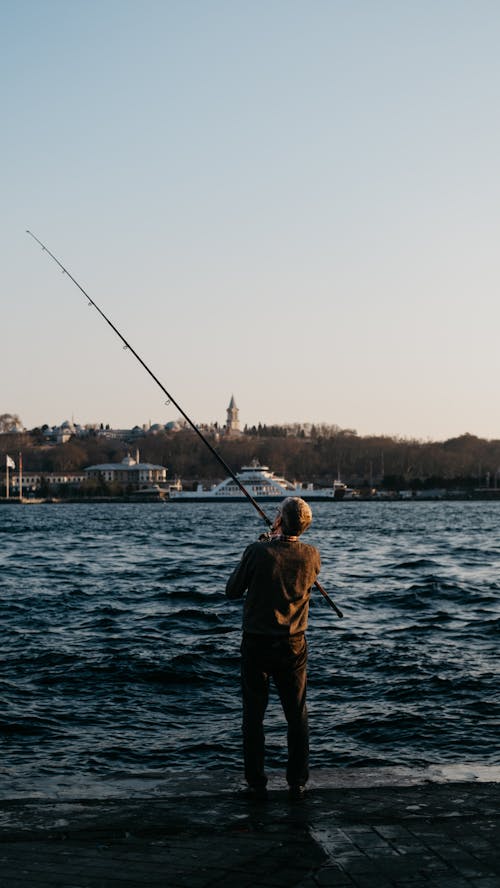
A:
128,500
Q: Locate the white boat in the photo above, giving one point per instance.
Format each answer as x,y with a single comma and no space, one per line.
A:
262,485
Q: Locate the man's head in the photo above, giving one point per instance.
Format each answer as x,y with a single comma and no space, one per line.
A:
296,516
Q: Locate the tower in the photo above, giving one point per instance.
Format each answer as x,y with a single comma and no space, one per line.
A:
232,422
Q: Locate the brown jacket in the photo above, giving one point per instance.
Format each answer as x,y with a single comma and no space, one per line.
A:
277,577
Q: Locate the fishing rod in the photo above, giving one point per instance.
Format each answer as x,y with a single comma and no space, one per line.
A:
171,400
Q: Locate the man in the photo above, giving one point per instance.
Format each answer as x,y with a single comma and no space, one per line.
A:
277,574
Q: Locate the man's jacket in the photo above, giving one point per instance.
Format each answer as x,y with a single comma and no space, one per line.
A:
277,576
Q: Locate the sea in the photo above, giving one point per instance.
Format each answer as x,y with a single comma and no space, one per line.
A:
119,652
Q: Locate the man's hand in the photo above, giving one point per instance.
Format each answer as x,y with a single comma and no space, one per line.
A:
273,532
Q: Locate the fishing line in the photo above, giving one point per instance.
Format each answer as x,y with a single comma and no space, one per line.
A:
171,400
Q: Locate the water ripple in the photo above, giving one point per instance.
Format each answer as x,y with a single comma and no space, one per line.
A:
120,650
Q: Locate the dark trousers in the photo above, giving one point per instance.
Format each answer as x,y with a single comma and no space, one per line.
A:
285,660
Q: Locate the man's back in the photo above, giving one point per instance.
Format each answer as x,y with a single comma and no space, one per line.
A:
277,576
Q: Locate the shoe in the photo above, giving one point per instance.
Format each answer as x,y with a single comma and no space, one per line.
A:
297,792
254,793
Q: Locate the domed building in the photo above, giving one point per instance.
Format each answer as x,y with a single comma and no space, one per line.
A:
61,434
129,472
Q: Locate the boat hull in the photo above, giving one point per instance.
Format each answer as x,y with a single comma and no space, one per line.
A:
200,498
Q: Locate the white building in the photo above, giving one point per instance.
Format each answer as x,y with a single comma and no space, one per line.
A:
61,434
32,481
129,471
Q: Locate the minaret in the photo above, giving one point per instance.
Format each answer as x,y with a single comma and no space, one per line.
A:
232,422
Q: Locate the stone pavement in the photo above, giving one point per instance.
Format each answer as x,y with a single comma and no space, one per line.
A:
445,835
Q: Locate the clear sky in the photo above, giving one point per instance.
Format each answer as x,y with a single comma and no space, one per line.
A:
295,202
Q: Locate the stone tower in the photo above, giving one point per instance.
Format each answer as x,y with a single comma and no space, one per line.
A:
232,422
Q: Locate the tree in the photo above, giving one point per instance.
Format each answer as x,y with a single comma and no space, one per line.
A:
10,422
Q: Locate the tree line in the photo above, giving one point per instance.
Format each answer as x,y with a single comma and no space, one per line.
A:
375,461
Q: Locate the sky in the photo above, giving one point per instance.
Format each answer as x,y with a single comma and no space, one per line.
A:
293,202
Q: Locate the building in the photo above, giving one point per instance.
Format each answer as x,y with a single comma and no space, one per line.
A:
129,472
61,434
232,426
33,481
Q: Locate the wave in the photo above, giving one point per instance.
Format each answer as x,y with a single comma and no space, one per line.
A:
415,564
121,651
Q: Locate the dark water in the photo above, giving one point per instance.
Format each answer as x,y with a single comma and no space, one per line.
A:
120,652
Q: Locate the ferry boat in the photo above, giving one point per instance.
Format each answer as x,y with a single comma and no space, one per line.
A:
262,484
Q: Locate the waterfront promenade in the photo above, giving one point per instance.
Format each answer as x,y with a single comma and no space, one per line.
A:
400,829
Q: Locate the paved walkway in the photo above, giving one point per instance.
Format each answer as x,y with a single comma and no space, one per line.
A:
445,835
